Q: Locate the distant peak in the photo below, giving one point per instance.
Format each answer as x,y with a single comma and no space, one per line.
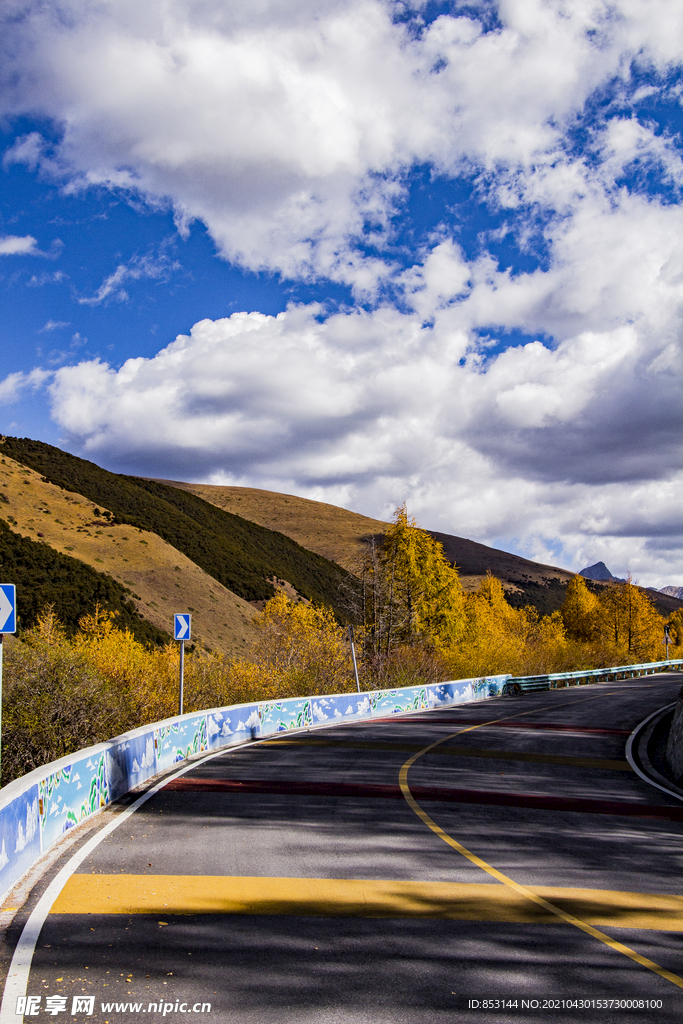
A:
599,571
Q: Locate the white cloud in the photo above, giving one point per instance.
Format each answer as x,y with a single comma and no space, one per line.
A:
54,325
286,127
26,245
14,245
157,268
14,383
366,408
39,280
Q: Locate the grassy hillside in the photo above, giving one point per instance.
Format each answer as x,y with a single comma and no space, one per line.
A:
241,555
333,532
338,534
161,579
43,576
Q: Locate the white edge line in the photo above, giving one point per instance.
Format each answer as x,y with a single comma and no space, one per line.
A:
631,759
20,967
18,974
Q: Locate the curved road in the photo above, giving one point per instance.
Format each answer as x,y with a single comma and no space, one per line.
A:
403,870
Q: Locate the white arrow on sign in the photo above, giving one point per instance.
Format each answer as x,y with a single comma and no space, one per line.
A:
184,622
6,608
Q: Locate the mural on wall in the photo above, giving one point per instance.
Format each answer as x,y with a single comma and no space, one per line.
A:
33,819
464,690
130,763
71,794
227,726
282,715
19,836
180,739
393,702
349,707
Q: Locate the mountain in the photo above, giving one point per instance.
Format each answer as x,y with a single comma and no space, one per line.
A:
241,555
166,551
73,558
335,533
599,571
676,592
340,535
73,534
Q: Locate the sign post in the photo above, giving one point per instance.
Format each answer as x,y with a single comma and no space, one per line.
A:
353,655
8,624
182,630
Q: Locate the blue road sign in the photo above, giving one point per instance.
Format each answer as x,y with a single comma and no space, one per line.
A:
181,627
8,608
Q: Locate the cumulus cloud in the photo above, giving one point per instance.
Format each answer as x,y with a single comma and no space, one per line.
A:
13,245
367,408
14,384
291,131
286,128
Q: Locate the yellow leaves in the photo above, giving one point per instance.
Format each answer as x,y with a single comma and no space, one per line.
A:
629,620
47,631
411,594
675,623
98,623
580,610
302,644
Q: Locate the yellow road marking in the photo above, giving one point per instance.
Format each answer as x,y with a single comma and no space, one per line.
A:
218,894
497,755
522,890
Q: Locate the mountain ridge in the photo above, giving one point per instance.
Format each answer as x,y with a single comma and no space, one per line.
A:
243,556
166,543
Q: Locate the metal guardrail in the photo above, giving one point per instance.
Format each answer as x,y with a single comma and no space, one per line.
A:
556,680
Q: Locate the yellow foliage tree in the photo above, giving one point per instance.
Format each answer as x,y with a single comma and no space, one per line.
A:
675,624
304,646
629,620
499,638
411,593
580,611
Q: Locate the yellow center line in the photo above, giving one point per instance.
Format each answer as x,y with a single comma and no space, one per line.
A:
521,890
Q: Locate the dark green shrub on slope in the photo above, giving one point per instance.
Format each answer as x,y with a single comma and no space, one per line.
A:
238,553
45,577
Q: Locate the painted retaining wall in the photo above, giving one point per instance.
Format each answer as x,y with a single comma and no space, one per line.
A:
674,744
38,808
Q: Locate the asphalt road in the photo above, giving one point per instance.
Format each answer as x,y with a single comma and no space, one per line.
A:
347,875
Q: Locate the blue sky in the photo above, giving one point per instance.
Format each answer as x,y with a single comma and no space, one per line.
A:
359,250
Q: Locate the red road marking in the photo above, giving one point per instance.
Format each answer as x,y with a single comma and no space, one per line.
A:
464,796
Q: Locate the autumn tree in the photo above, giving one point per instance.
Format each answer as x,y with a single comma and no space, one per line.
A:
675,624
411,594
629,620
580,611
304,645
500,638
